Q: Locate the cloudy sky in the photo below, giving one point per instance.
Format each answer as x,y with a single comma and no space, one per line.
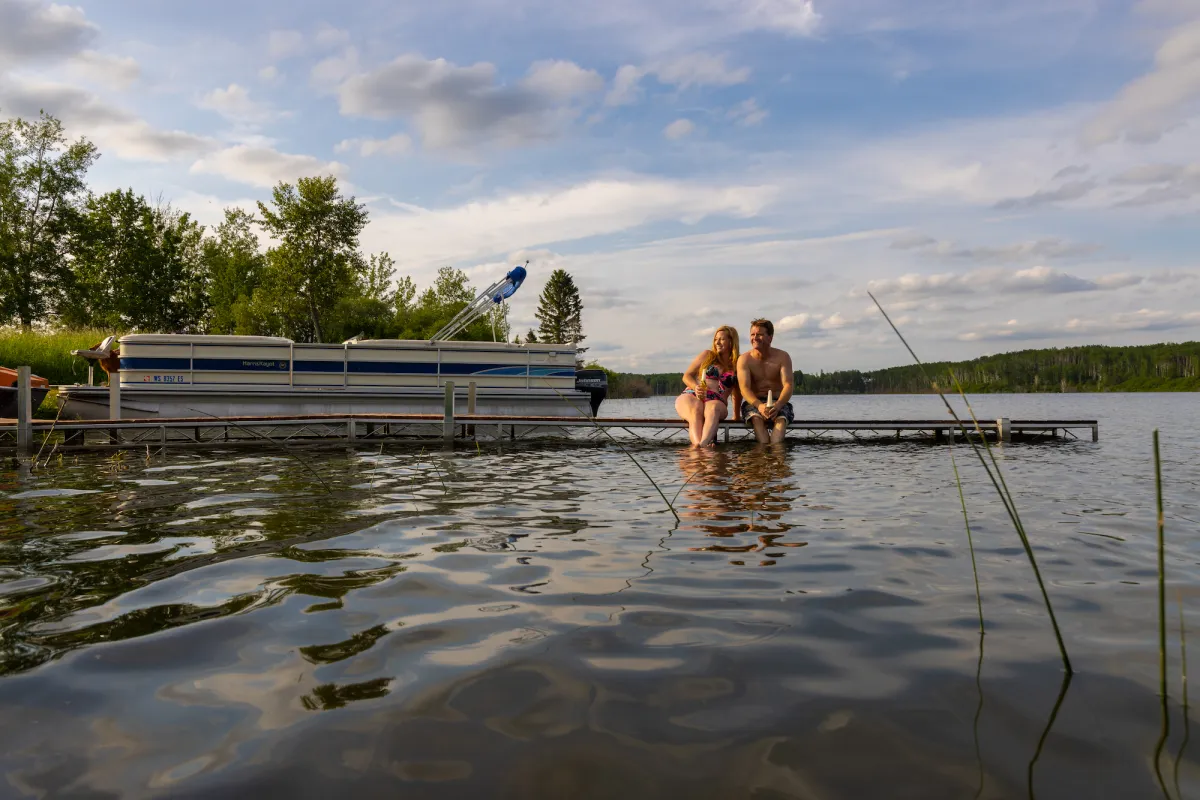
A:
1001,175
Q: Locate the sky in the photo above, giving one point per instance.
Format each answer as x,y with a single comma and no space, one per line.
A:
1000,176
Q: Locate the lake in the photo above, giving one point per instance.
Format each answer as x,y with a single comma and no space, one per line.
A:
532,621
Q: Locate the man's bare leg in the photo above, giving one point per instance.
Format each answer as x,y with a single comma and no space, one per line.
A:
760,429
779,430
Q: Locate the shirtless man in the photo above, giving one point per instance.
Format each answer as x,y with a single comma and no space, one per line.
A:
763,369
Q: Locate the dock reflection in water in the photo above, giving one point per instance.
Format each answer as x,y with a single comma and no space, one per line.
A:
533,623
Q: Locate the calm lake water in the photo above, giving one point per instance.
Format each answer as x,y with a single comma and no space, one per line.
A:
532,622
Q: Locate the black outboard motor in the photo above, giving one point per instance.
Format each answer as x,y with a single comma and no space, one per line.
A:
595,383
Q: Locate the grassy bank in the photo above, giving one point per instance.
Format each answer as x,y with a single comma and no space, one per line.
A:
49,353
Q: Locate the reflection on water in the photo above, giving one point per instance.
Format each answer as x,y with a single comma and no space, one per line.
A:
533,622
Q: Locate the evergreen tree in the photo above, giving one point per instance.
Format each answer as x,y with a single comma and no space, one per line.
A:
560,312
530,337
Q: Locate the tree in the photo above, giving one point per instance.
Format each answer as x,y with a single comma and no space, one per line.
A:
316,262
438,304
41,176
560,311
530,337
233,268
135,267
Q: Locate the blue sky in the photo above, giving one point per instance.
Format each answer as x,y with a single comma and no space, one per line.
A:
1000,175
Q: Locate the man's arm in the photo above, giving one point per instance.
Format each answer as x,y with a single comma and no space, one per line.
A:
788,378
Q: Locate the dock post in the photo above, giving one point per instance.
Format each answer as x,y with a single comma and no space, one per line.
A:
24,410
1096,432
1004,429
351,430
448,413
114,396
471,406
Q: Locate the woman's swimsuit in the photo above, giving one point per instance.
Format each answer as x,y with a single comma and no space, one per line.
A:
725,382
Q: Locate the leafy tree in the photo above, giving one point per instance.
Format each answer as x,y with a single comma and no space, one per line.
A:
438,304
316,262
233,268
41,177
560,311
135,267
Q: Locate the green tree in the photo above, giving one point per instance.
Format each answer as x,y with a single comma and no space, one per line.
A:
233,268
41,178
530,337
316,262
560,311
437,305
135,267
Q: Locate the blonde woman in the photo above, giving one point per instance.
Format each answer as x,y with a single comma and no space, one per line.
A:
711,382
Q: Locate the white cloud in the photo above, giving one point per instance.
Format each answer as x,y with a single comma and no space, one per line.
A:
792,17
1071,190
397,145
562,79
1158,101
114,72
529,219
115,130
284,44
1035,280
330,37
234,103
679,129
1036,249
747,113
34,31
1092,327
699,69
626,86
327,73
455,106
263,166
270,74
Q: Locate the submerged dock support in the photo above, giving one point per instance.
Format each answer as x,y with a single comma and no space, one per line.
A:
471,406
24,410
448,413
1004,429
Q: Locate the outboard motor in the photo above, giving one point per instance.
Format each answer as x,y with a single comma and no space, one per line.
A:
595,383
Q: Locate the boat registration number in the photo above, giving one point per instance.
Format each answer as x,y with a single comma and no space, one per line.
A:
164,379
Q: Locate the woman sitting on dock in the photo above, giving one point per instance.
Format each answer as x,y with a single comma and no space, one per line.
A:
711,379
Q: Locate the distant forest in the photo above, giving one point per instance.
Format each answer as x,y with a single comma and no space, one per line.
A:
1092,368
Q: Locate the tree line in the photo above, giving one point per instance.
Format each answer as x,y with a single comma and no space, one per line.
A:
71,258
1090,368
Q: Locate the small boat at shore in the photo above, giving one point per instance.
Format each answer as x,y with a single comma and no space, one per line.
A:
39,388
182,375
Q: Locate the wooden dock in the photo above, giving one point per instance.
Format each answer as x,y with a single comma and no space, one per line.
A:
49,436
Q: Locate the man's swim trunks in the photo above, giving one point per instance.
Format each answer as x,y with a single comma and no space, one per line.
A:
749,412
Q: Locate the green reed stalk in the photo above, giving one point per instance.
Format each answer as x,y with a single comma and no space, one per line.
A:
1183,674
1062,695
1162,621
614,440
998,483
970,539
979,714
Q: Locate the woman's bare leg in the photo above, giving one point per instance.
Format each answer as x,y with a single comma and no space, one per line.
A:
691,410
713,414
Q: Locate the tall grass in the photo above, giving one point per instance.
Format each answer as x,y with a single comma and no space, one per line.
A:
49,352
995,476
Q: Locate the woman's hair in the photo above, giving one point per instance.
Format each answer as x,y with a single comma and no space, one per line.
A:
711,358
